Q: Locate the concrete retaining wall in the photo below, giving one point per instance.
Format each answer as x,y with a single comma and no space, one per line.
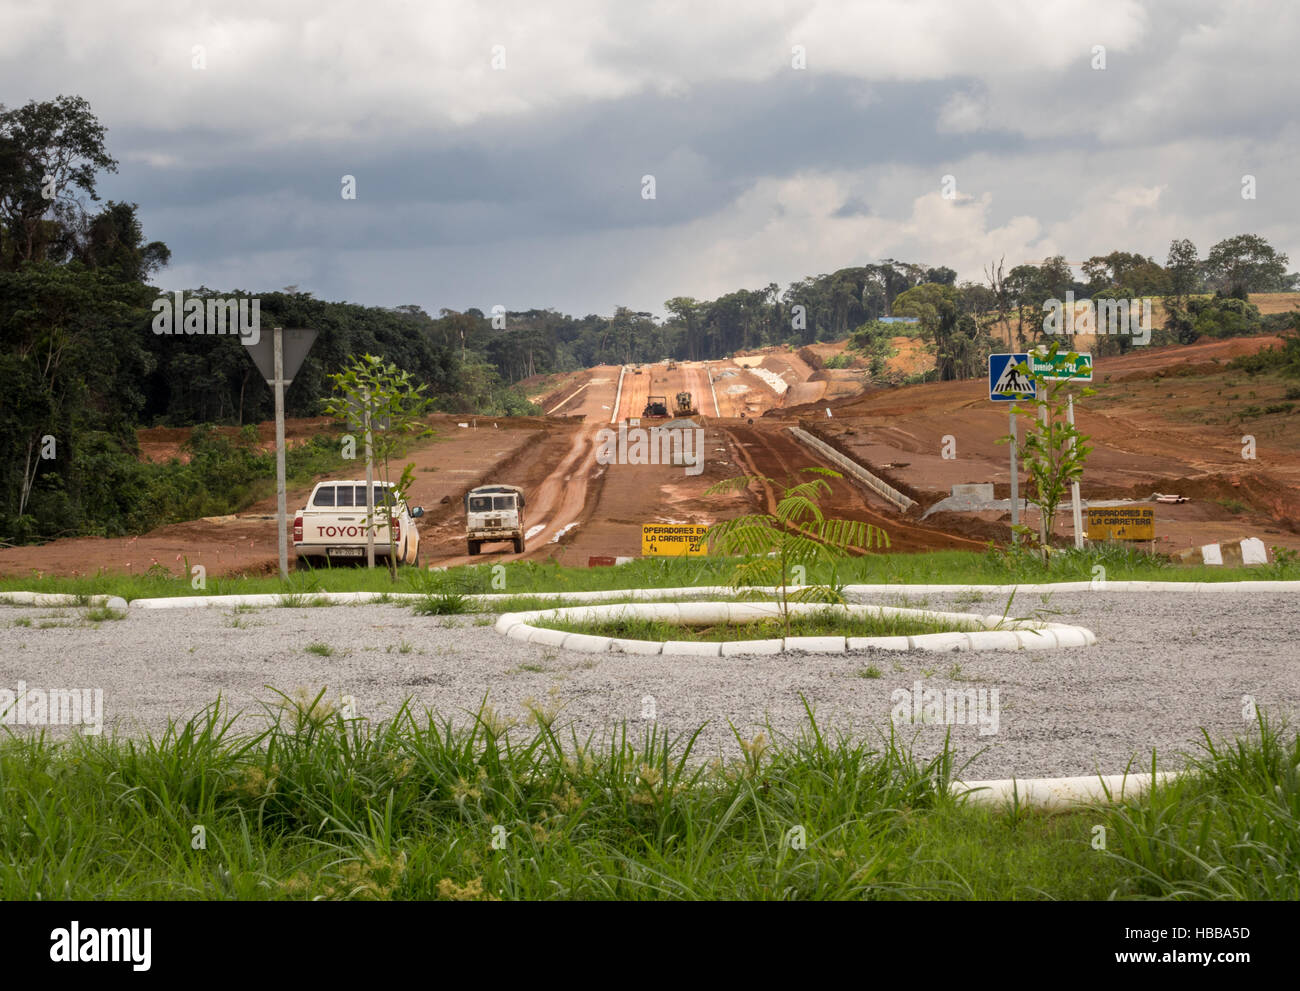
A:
855,470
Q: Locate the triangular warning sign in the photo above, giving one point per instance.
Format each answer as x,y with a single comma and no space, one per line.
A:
1013,380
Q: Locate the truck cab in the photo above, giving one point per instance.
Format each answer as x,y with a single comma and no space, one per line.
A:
492,513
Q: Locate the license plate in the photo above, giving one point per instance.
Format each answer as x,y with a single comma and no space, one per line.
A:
345,551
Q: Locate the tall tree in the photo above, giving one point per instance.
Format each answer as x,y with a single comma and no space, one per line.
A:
1184,269
48,152
1245,264
687,310
1019,284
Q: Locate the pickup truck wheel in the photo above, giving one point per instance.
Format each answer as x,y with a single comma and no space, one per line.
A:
519,545
473,547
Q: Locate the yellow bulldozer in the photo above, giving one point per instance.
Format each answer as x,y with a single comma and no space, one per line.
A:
684,405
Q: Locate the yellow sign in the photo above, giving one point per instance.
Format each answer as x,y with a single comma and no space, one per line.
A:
673,540
1122,523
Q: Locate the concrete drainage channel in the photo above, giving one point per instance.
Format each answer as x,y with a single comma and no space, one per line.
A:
994,633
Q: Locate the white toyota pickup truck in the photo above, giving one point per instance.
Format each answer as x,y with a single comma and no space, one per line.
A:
333,524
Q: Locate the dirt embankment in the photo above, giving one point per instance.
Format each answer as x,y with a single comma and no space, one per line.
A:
1172,419
164,443
1165,419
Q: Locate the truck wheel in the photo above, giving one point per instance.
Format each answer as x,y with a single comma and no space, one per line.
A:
519,545
473,547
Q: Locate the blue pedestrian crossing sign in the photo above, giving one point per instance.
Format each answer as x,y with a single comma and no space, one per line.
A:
1009,378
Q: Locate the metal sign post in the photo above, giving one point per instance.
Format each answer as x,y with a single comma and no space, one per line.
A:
1074,486
1044,538
281,510
278,358
1015,482
1008,384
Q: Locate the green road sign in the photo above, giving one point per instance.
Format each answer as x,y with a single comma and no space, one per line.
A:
1061,367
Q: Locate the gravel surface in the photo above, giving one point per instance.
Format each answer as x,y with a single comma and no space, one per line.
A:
1166,664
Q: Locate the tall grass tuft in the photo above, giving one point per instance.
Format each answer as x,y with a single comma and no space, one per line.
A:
314,803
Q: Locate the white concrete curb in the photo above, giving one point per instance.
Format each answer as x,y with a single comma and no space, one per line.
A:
1017,636
1059,794
618,396
61,599
708,372
643,594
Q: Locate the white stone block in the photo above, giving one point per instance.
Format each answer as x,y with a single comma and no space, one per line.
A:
816,645
1036,639
693,648
994,640
586,643
1253,551
879,643
619,646
735,647
941,641
545,637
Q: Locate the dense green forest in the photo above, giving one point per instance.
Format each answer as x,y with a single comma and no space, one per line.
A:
83,368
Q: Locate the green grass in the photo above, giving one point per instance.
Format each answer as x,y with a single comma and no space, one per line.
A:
315,806
100,613
442,604
524,578
822,623
320,649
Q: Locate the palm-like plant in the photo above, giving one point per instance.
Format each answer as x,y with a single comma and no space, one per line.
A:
797,534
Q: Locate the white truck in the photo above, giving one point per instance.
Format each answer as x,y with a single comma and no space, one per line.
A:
332,525
494,512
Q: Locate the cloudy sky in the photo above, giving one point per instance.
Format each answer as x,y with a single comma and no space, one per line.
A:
520,183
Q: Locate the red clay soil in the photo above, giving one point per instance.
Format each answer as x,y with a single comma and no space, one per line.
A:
768,449
1164,432
1156,426
164,443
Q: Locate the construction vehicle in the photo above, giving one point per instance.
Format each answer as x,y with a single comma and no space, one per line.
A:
493,513
656,407
684,405
672,365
